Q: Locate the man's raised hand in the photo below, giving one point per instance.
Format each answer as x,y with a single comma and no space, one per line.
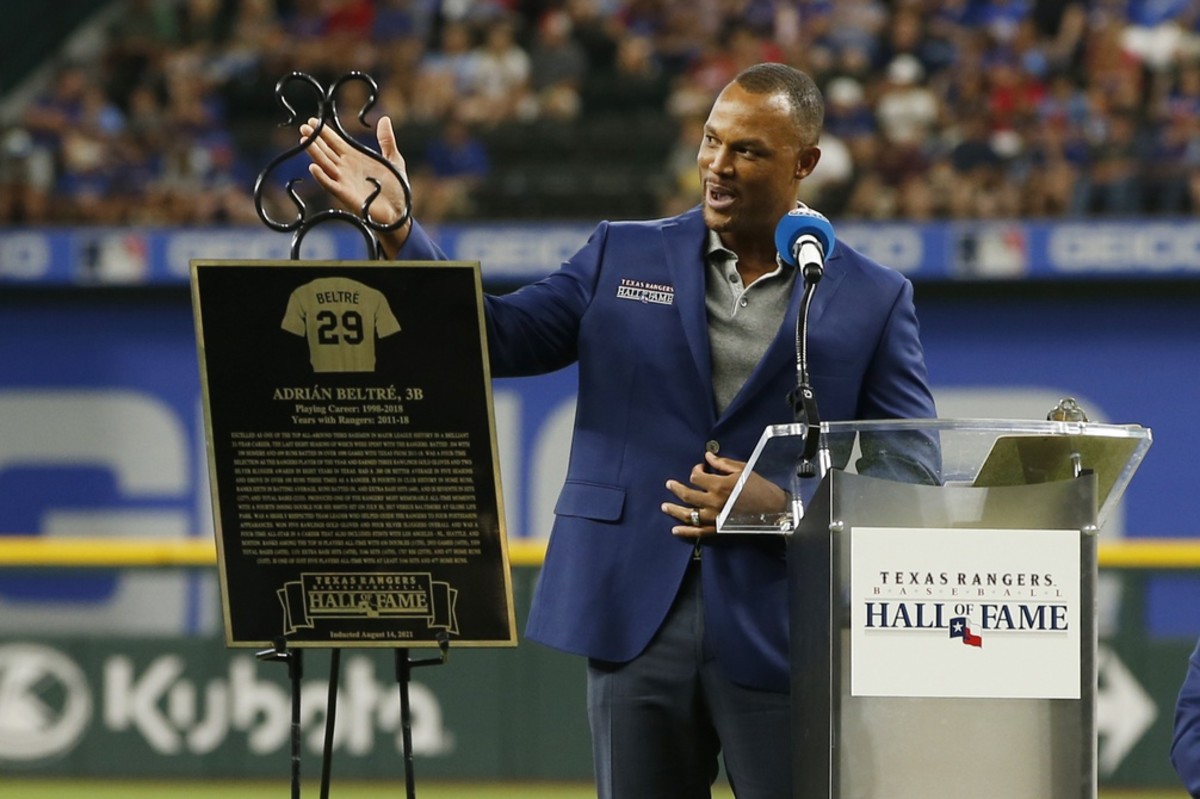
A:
346,174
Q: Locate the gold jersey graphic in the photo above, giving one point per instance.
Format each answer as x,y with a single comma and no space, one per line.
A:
340,318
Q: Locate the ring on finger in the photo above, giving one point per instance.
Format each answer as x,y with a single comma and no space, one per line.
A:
695,517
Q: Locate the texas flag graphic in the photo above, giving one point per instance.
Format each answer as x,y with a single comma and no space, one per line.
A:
959,629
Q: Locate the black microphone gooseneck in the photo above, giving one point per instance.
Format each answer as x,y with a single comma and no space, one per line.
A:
802,398
804,239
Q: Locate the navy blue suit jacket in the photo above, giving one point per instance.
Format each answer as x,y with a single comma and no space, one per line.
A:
645,412
1185,748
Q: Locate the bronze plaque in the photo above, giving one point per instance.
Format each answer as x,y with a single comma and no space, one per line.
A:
352,453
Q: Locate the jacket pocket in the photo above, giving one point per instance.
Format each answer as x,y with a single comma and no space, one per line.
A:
603,503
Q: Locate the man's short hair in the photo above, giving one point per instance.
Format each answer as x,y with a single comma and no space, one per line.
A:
808,106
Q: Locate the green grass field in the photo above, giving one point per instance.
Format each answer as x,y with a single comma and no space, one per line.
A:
262,789
137,789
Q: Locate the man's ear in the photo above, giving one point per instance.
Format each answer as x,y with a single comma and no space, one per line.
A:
807,162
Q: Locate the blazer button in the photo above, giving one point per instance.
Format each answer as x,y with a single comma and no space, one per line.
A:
713,446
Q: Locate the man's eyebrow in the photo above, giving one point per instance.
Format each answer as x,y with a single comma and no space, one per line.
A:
744,141
749,141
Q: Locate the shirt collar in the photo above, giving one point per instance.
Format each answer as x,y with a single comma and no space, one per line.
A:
717,254
714,247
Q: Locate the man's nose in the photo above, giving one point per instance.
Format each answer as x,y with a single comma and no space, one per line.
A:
720,161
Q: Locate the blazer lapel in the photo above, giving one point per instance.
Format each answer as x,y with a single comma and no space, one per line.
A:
781,353
683,245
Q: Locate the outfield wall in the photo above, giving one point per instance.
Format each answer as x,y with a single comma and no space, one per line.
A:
101,436
172,706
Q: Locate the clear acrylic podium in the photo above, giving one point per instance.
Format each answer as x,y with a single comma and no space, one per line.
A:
943,579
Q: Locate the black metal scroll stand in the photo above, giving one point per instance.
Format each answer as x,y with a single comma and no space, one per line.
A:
299,226
295,663
327,114
404,667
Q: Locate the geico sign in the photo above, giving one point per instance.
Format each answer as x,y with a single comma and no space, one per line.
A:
1124,247
520,253
46,707
897,246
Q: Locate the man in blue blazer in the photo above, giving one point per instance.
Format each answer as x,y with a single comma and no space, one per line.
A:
683,330
1185,747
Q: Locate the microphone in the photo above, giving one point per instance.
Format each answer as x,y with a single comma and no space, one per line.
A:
804,239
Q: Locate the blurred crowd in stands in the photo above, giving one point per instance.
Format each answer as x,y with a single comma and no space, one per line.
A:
937,109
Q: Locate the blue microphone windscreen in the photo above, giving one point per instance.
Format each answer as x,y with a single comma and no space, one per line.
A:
795,224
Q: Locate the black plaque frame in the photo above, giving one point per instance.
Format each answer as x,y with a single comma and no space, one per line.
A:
332,488
357,500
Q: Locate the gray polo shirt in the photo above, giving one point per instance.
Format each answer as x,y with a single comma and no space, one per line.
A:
742,320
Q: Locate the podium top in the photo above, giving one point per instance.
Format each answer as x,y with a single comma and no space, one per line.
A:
961,452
